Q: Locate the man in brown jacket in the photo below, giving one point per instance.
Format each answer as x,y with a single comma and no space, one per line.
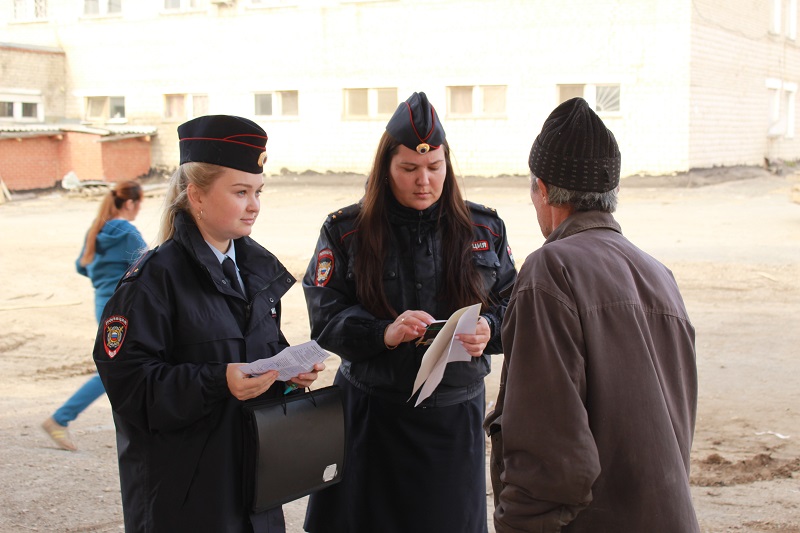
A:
596,410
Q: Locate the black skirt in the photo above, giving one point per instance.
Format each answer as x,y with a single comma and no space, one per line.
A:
407,469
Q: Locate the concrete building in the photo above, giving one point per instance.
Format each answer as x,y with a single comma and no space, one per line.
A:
682,83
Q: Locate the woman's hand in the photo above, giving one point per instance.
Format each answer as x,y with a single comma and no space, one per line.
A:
305,380
409,325
475,344
244,386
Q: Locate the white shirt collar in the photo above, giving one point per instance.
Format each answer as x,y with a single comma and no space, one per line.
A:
220,256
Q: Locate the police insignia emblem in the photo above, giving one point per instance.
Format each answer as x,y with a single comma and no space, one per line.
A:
423,148
114,328
262,158
324,267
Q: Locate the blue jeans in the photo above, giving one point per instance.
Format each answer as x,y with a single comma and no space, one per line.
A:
83,397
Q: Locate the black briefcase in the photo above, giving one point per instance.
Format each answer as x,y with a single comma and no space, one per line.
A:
294,445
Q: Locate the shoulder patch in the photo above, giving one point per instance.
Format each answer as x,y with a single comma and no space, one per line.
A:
135,269
324,266
114,329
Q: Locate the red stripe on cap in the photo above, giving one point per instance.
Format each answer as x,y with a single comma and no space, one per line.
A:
226,140
433,125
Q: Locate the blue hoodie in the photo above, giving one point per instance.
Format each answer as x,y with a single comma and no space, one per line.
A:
118,245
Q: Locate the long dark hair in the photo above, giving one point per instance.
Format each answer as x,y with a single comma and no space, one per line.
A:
462,285
109,209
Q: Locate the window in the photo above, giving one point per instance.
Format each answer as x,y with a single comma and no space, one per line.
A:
387,101
30,9
370,103
101,7
568,92
183,106
29,109
357,102
199,105
273,3
289,103
476,100
181,5
604,99
277,104
784,18
21,105
174,106
264,104
105,108
782,97
460,100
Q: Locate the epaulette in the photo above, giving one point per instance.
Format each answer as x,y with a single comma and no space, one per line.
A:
484,209
135,269
345,213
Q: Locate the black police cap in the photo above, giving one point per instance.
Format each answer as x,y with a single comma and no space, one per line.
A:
224,140
416,125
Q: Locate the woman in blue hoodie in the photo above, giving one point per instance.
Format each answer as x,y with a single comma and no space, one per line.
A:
112,244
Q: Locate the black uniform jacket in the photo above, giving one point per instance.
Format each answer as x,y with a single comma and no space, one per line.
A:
162,350
412,280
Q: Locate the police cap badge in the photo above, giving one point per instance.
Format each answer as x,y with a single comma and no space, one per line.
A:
224,140
416,125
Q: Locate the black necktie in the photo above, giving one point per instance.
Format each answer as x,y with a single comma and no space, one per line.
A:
229,269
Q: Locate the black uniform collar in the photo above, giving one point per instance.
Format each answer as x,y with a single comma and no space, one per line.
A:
258,267
188,235
400,214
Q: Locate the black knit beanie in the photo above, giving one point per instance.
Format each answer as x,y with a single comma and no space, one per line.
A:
575,150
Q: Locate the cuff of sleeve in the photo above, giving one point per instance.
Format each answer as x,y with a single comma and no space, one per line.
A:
492,326
219,380
381,331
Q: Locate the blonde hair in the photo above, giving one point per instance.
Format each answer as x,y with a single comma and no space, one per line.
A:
202,175
108,210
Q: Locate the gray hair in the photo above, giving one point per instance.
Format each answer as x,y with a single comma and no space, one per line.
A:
581,200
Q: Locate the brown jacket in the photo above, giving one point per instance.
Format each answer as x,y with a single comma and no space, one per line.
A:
598,391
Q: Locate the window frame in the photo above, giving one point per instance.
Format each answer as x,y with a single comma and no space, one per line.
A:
277,110
589,94
477,101
105,117
19,99
373,103
102,9
32,11
184,6
782,108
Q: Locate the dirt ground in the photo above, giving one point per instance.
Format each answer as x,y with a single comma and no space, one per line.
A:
731,237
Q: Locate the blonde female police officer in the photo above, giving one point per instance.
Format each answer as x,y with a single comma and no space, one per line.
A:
178,327
411,251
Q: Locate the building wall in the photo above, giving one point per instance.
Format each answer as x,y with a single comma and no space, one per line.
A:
42,162
675,113
80,153
35,69
30,163
125,159
734,53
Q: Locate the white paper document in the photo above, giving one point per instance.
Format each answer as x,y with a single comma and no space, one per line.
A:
289,362
445,349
